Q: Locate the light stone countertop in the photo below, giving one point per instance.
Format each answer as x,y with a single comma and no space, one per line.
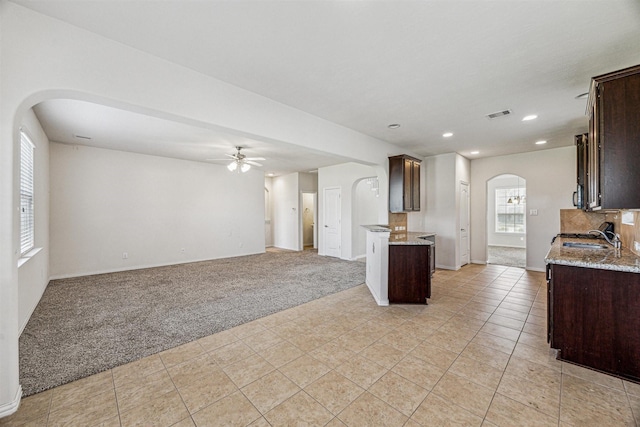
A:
378,228
604,259
410,238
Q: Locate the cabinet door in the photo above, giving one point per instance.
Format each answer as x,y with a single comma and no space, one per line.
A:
619,130
408,185
415,185
396,184
550,305
409,274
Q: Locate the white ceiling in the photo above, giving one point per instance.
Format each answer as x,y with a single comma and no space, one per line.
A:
70,121
431,66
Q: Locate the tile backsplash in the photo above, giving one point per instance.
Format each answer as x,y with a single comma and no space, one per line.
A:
398,222
578,221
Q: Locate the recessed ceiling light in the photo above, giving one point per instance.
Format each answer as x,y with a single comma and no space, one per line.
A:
393,126
270,174
529,117
447,134
541,142
583,95
475,152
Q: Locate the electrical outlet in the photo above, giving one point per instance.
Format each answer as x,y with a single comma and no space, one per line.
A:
125,255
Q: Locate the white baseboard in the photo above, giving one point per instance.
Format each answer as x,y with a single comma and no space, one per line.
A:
141,267
477,261
375,297
24,325
9,408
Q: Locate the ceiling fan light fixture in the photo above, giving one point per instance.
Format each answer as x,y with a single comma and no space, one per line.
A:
232,166
245,167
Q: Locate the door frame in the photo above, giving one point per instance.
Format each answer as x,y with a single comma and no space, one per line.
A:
488,219
315,219
467,225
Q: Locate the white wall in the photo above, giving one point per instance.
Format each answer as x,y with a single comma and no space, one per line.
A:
443,175
33,272
514,240
308,182
106,202
346,176
550,176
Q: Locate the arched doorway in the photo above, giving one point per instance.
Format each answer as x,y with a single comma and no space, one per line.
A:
506,220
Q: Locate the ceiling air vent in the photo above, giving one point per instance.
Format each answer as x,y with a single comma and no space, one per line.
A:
499,114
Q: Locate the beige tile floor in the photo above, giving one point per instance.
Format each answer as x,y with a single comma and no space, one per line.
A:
476,355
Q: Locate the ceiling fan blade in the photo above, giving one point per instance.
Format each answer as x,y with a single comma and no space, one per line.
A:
251,162
217,160
255,158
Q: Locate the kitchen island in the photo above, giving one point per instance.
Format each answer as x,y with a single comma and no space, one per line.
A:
593,303
399,265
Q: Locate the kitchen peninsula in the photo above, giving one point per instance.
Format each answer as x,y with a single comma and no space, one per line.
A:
399,265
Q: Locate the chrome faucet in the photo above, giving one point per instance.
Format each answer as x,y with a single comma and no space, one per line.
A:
616,243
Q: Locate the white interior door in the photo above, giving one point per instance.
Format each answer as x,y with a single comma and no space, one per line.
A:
331,227
464,223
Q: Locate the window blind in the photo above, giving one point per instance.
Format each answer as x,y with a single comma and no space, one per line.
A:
510,210
27,224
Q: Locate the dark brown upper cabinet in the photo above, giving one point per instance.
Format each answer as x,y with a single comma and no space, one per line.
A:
613,157
404,184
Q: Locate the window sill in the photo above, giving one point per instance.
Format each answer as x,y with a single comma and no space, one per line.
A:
26,257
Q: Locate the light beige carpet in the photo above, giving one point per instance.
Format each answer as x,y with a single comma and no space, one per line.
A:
89,324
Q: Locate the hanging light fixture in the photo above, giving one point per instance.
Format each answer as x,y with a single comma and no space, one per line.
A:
245,167
232,166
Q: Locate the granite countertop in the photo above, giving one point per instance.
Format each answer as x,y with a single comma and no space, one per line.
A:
377,228
605,259
410,238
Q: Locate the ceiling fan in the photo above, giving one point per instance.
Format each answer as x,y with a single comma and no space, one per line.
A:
239,161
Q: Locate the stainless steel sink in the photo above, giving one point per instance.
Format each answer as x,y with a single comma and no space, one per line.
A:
581,245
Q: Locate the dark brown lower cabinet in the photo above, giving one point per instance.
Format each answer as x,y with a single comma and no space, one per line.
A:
594,318
409,274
